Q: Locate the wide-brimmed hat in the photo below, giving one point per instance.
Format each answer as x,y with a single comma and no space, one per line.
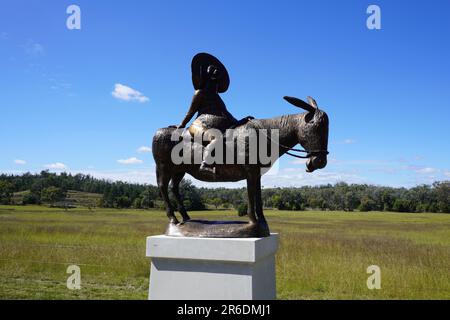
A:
199,67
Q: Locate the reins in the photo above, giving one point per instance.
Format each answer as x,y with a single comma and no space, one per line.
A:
308,153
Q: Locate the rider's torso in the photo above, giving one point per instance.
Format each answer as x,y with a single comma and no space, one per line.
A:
211,103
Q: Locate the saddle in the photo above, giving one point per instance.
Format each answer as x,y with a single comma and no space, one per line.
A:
242,122
234,126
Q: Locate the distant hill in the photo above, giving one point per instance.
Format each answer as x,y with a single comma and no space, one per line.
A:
67,190
73,199
17,197
83,199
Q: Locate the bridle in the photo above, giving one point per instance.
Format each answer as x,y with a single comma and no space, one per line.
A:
309,153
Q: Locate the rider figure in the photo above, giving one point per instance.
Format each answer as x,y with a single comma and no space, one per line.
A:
212,112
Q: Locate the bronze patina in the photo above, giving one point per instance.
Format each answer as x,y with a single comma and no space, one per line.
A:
209,77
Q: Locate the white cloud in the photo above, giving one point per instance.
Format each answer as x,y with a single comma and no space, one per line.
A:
56,166
422,170
447,173
21,162
299,161
427,170
292,177
144,176
144,149
297,177
126,93
349,141
132,160
34,49
345,141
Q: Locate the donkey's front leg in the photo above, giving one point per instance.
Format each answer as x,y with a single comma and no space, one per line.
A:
258,201
251,199
263,227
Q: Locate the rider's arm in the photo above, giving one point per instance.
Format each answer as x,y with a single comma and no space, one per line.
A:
195,104
229,115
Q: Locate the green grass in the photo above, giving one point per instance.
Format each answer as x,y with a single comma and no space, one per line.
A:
321,256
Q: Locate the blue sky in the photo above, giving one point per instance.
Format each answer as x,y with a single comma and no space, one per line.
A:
386,91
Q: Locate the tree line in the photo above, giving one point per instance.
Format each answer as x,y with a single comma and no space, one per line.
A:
49,188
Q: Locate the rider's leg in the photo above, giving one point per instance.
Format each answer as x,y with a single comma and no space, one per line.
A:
198,132
208,161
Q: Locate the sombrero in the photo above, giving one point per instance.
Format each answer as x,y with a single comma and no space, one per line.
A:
200,64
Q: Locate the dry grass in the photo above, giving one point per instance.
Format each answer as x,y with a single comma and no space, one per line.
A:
321,256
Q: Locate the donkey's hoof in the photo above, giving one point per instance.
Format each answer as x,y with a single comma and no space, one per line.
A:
263,229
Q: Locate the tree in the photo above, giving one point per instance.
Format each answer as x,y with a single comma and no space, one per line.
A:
189,191
122,202
242,209
31,198
216,202
366,204
137,203
387,200
351,201
277,202
442,191
52,194
341,196
149,196
402,205
6,192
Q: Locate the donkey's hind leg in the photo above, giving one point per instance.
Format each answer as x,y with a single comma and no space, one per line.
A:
176,179
163,178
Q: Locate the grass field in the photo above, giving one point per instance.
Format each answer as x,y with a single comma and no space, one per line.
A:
321,255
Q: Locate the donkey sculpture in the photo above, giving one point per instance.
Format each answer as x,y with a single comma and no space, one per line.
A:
309,129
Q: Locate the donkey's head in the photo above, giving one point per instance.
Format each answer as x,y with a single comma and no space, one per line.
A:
312,132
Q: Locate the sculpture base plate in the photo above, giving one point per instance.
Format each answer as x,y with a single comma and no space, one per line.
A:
218,229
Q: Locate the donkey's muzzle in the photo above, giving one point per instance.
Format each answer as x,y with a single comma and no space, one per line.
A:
316,162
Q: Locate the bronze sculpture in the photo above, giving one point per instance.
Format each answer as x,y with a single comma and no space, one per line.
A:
309,129
209,77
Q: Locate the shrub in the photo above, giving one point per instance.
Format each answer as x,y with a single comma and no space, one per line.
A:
31,198
242,209
123,202
52,194
366,204
401,205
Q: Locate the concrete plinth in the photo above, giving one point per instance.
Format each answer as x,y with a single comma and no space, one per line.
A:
185,268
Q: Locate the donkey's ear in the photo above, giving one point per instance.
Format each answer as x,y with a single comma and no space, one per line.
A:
312,102
300,103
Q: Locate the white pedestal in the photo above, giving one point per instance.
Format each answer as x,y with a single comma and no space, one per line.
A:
212,269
